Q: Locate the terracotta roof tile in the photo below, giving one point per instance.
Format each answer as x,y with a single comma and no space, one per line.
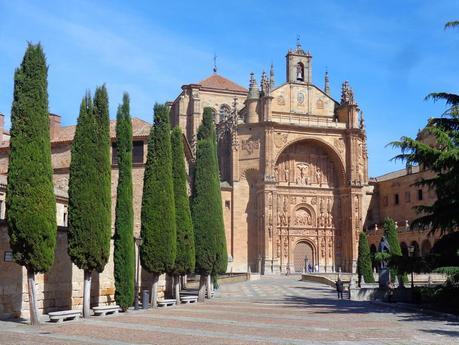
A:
140,128
218,82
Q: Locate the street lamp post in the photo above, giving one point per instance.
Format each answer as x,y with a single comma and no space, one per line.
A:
138,242
305,264
411,252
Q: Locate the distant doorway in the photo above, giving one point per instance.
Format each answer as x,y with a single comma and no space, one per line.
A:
302,251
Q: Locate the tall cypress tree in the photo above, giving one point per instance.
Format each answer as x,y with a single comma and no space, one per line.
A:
158,249
207,131
185,259
364,260
89,190
391,235
30,200
203,210
124,254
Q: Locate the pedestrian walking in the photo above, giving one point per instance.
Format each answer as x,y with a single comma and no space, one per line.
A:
339,288
390,291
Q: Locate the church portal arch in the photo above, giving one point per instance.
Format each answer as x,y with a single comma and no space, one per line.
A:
303,254
314,162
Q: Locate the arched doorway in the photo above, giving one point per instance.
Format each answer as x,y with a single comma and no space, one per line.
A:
302,251
425,247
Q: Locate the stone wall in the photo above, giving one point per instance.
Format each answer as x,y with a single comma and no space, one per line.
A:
59,289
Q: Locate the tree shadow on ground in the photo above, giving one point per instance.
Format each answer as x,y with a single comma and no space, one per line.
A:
451,333
329,304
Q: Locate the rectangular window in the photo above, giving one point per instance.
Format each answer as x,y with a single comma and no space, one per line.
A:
137,153
396,199
419,194
407,196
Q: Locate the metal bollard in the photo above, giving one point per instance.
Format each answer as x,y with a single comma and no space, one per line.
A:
145,299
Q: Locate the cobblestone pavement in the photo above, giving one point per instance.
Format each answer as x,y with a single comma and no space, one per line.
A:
275,310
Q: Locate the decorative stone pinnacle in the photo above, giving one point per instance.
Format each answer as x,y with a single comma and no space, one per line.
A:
347,96
271,77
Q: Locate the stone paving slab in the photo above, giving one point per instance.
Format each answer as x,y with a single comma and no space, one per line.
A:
273,310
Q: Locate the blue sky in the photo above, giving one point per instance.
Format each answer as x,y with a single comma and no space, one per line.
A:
392,52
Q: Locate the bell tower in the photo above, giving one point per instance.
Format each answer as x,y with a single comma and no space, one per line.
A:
299,67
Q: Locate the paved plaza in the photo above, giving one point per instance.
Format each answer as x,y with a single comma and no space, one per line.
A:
275,310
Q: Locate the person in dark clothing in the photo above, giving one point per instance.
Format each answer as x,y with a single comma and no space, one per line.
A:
339,288
390,291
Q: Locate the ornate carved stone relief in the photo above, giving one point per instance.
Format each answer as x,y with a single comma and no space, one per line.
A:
302,217
306,165
280,139
250,145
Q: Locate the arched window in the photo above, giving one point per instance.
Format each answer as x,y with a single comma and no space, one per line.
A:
300,71
404,248
225,112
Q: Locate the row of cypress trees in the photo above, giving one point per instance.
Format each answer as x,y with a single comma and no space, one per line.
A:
211,253
167,231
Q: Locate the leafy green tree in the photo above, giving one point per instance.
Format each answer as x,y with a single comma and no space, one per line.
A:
441,157
439,154
364,268
444,256
30,200
158,230
185,259
124,253
89,191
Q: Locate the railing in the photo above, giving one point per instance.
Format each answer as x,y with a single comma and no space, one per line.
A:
307,121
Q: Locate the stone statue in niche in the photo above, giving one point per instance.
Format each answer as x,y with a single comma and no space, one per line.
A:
286,172
322,220
303,178
329,220
330,249
270,198
286,247
318,177
278,248
322,247
282,219
276,173
356,207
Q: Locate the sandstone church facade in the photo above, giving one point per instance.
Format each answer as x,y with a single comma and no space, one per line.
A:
293,165
294,182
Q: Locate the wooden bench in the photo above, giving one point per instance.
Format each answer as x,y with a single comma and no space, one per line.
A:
167,303
107,309
189,299
60,316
